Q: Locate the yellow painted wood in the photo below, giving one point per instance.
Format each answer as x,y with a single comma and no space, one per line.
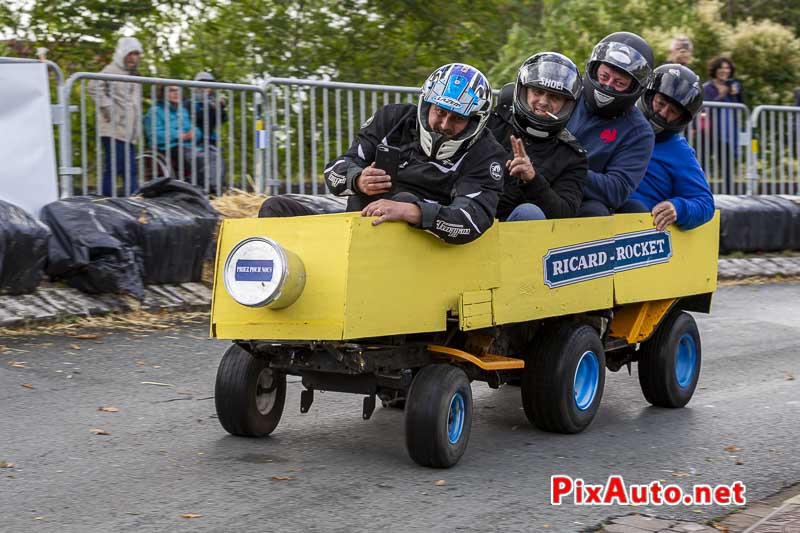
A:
322,243
391,279
475,310
486,362
404,280
636,322
691,270
523,294
476,297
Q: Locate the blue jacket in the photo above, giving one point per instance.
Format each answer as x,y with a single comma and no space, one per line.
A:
675,175
207,108
618,151
169,139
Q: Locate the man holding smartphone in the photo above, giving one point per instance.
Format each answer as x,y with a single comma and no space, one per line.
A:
442,170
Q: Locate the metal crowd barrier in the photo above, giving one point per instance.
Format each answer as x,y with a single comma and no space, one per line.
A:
279,135
720,135
776,149
231,161
313,121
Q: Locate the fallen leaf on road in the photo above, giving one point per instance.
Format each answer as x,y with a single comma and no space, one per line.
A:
98,431
157,383
739,462
17,364
283,478
108,409
440,483
6,464
732,448
680,474
141,363
26,385
545,526
191,515
74,346
790,376
87,336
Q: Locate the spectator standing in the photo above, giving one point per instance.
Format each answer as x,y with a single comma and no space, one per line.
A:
722,87
120,117
207,111
680,51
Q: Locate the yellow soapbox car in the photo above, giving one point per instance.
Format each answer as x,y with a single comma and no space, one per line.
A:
391,312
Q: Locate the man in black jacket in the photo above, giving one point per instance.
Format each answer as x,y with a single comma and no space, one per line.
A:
547,165
449,171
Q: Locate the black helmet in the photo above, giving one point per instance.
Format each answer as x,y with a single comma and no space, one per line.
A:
682,86
551,72
624,51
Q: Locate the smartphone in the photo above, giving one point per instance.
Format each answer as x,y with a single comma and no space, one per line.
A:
387,158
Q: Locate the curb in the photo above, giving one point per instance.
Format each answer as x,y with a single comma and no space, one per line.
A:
784,519
758,266
52,304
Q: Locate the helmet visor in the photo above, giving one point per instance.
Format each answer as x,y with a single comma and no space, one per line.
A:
551,76
678,89
625,58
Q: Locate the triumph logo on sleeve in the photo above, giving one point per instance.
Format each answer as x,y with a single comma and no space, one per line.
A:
596,259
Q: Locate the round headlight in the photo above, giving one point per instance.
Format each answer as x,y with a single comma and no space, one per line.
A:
260,273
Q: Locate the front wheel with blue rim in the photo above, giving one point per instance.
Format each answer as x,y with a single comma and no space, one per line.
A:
564,378
438,416
669,363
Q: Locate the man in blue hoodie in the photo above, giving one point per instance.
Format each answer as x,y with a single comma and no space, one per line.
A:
616,136
674,188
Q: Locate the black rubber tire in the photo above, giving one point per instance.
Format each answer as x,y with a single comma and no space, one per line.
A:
548,378
235,394
427,412
657,359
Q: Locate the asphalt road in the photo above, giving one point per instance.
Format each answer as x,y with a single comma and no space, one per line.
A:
166,454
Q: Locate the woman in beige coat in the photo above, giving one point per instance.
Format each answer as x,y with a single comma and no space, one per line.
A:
119,112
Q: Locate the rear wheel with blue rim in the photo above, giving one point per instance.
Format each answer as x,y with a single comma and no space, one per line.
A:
564,378
438,416
669,363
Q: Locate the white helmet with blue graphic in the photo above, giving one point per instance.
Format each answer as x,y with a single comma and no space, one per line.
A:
459,88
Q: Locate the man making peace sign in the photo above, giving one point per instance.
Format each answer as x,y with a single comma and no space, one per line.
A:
547,167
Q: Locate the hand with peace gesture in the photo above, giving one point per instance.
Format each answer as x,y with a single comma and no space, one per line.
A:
520,167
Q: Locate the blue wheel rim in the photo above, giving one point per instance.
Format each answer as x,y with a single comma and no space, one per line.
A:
587,379
685,361
455,418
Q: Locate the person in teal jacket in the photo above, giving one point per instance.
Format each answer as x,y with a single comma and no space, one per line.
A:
168,127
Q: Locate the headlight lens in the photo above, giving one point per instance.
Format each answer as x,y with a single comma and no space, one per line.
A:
260,273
